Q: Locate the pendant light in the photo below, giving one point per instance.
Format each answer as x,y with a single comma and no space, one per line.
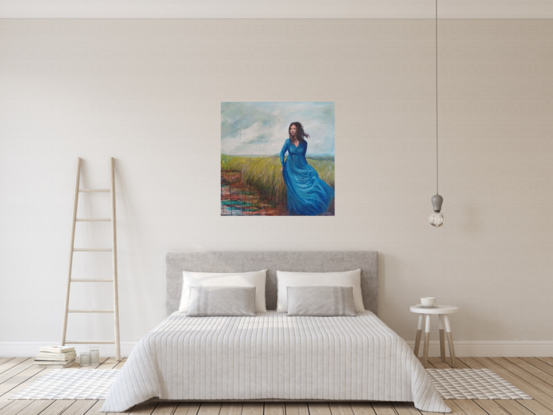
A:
437,218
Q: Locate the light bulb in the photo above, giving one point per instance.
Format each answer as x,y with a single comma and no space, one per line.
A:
437,219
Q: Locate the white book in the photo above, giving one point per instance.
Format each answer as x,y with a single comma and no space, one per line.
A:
56,357
44,363
57,349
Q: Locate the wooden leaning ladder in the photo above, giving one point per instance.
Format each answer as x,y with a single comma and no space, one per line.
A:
113,251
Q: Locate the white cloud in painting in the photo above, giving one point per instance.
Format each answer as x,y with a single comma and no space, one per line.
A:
261,128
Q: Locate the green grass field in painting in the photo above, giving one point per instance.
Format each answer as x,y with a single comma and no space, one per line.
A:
264,175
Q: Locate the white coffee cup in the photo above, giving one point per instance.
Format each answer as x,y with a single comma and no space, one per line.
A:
428,301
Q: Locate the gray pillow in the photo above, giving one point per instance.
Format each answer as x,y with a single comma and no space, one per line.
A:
320,301
221,301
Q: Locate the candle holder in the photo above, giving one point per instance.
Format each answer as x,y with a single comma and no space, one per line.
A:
94,355
85,359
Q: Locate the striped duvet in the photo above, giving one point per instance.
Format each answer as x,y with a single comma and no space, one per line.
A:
273,356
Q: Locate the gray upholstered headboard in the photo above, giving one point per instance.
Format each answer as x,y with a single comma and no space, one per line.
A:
176,262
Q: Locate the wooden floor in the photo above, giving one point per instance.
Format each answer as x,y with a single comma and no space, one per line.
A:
532,375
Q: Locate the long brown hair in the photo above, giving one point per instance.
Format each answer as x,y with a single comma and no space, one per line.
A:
300,134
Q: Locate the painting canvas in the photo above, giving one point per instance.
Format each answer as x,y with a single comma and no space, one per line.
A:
277,159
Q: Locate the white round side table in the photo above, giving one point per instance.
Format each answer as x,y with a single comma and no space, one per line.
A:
442,312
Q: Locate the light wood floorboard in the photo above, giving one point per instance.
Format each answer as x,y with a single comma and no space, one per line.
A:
80,407
548,360
337,409
236,409
95,409
270,409
381,408
165,408
362,408
537,372
513,407
13,362
534,361
296,409
532,375
187,409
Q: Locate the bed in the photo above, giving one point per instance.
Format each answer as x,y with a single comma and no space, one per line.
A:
273,357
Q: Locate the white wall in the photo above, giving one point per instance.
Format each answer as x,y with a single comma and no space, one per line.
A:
148,93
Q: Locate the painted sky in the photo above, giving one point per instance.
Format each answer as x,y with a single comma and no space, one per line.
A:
261,128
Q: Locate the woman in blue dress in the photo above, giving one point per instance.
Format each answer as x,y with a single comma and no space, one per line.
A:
307,193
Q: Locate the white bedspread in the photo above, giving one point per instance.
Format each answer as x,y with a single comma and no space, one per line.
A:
273,356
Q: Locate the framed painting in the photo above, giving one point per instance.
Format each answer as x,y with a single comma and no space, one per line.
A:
277,159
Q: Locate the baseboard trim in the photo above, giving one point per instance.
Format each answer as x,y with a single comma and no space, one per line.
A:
462,348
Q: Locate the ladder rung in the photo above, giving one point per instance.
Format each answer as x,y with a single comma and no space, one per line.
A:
88,342
89,280
90,311
93,220
92,249
93,190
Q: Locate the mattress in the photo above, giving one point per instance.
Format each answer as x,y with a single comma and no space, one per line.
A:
273,357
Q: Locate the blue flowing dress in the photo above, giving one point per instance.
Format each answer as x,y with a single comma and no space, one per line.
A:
307,194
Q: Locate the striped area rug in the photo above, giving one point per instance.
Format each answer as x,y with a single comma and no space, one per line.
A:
70,384
473,384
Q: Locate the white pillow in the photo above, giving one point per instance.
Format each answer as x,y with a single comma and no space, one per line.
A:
319,279
233,279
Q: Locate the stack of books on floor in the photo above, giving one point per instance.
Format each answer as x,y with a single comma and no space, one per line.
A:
62,356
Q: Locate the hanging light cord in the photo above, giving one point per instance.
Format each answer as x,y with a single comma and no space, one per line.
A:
437,97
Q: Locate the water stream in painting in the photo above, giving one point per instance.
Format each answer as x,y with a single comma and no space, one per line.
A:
239,199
